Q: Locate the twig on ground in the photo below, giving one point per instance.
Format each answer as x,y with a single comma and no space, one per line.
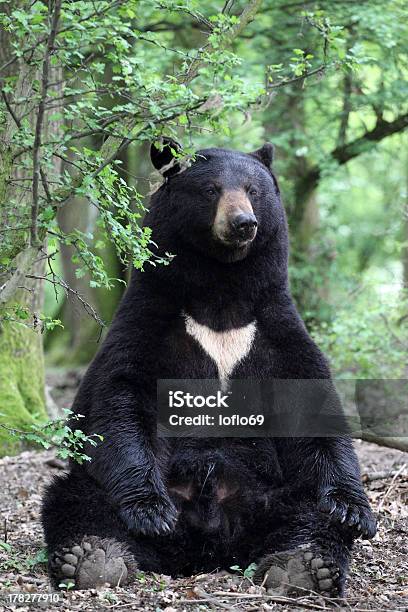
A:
212,601
372,476
248,596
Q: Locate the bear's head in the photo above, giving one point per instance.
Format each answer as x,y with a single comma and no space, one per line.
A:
225,204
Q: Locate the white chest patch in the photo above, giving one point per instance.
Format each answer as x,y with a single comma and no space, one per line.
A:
226,348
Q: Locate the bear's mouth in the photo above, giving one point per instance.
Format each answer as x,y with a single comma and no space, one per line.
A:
230,251
236,243
232,241
223,247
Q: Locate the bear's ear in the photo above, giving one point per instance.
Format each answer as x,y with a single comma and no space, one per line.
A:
163,157
265,154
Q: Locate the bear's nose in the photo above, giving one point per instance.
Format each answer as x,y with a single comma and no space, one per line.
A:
244,226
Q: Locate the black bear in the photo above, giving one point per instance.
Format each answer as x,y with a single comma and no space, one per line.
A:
221,310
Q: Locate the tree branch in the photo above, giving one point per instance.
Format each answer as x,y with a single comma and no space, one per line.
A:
344,153
57,281
246,17
10,110
382,129
40,120
284,82
399,443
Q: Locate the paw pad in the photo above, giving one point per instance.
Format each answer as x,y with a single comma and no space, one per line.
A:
324,574
91,564
298,571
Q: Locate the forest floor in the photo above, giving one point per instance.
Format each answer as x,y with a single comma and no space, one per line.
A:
378,576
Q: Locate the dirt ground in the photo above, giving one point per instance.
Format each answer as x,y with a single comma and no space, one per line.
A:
378,578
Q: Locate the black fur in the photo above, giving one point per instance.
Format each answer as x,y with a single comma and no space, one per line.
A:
240,499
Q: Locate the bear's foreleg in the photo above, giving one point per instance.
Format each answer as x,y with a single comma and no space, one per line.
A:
316,451
329,468
127,464
118,397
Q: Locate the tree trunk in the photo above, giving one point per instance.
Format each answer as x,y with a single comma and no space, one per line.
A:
405,237
22,400
76,343
308,224
300,197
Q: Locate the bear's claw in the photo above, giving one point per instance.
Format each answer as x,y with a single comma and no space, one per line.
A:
93,563
297,572
152,518
348,512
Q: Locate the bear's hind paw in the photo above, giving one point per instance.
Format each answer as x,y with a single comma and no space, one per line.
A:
299,572
93,563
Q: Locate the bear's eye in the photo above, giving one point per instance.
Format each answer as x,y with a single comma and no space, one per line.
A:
210,192
253,191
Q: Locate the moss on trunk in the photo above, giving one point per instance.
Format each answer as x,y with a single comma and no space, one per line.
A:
21,382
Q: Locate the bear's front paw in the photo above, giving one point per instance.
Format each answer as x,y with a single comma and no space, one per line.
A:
350,509
153,516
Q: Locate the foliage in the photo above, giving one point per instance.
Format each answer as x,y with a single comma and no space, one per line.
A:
368,338
13,559
21,314
249,572
120,83
58,434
